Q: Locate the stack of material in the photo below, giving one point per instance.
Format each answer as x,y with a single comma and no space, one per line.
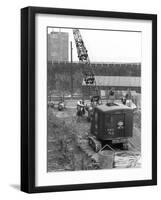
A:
127,159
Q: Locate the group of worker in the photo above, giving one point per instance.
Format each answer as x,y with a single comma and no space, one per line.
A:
125,98
82,108
95,100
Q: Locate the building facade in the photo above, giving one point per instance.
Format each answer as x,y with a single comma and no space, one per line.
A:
118,83
58,46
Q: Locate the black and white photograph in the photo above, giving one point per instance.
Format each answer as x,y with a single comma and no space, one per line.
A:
94,95
89,91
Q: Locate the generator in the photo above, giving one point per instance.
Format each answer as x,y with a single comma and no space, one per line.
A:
111,123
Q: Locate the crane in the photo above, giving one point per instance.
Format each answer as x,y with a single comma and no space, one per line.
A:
88,76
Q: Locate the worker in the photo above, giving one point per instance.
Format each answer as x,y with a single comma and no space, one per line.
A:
111,97
123,100
129,98
90,112
128,94
95,100
80,108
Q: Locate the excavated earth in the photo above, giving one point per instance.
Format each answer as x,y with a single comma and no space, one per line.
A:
68,147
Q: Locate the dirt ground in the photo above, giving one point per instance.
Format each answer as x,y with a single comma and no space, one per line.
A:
63,150
66,130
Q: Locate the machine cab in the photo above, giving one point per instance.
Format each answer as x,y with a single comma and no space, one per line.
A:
112,121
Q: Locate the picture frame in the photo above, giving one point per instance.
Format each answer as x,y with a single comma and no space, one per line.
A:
29,89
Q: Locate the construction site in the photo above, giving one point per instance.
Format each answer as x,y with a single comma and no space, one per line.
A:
94,111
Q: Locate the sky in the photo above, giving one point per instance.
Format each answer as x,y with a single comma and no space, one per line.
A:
107,45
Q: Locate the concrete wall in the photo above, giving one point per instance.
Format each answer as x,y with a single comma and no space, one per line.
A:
104,69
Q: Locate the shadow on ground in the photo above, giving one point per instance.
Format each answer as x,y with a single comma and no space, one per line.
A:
15,186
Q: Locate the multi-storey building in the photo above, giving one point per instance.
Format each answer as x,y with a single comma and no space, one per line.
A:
58,46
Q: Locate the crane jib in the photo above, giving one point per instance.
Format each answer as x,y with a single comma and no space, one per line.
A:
89,76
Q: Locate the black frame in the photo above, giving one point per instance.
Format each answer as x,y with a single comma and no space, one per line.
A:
28,98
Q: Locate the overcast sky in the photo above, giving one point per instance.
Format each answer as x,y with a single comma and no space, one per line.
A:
107,46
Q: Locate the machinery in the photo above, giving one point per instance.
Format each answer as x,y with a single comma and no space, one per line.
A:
88,76
61,105
112,124
81,49
57,102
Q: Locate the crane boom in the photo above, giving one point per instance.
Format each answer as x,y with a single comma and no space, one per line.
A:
81,49
89,77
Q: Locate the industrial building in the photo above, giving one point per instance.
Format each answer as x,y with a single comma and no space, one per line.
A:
58,46
119,83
